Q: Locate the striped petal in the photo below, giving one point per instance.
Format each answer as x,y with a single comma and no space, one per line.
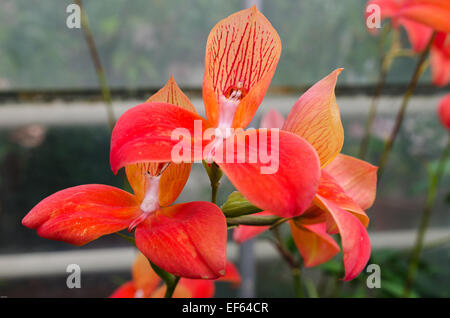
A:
242,53
187,240
278,171
82,214
315,117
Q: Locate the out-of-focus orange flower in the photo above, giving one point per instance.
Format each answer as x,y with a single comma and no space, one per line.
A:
440,59
347,186
146,283
444,111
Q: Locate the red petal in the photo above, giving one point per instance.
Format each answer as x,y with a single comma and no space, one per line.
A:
81,214
231,275
440,60
246,232
187,240
143,134
444,111
315,117
330,189
189,288
127,290
355,240
272,119
313,243
242,52
433,13
419,35
358,178
293,166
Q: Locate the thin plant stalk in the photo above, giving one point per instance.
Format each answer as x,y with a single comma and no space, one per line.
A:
97,65
419,70
291,260
425,220
386,63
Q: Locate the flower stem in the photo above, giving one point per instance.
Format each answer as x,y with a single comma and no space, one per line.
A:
214,174
425,220
291,260
420,68
97,64
386,63
255,220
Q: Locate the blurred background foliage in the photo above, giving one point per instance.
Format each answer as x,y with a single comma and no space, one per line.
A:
142,41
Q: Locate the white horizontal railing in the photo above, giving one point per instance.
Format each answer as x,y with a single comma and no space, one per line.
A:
58,113
121,259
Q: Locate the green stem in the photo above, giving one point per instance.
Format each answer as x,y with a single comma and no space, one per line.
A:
97,64
256,220
291,260
420,68
386,63
214,174
425,220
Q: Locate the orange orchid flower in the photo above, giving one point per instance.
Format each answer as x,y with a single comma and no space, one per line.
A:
147,284
444,111
242,52
347,186
187,239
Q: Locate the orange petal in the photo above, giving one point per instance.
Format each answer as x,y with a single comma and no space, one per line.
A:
355,240
330,189
444,111
286,183
176,175
82,214
242,52
358,178
127,290
187,240
272,119
144,134
144,277
433,13
313,243
315,117
440,59
172,94
246,232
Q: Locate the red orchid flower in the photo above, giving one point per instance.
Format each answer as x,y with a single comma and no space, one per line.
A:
147,284
418,34
420,18
440,59
241,55
444,111
187,239
347,186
